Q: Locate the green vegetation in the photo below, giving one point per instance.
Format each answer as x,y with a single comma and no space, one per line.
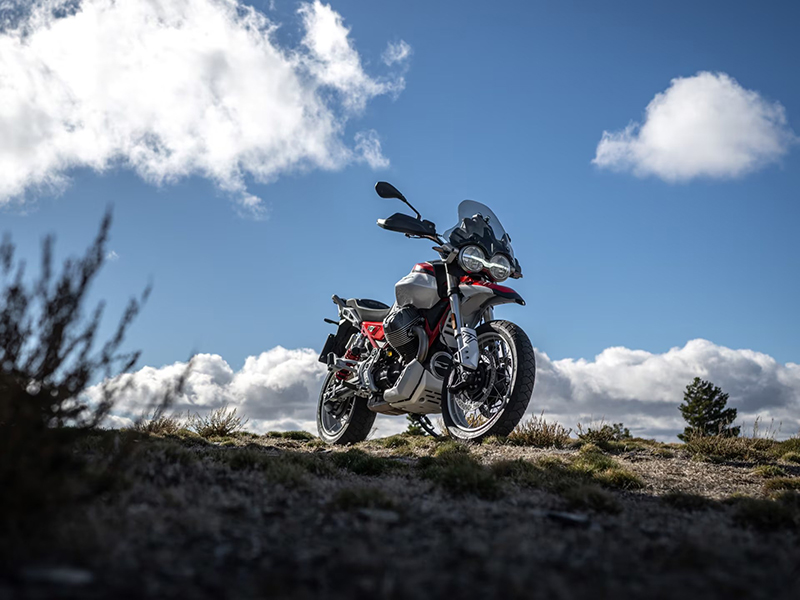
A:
792,457
724,447
767,471
761,513
536,431
704,409
603,433
459,473
361,463
782,483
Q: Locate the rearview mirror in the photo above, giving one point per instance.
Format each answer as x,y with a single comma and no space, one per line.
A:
387,190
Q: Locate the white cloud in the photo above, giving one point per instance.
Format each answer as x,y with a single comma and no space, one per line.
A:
112,256
396,52
643,389
368,147
278,389
702,126
175,88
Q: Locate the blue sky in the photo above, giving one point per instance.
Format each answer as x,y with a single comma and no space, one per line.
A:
504,103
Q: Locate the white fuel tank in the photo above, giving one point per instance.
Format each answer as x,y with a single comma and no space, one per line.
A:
418,288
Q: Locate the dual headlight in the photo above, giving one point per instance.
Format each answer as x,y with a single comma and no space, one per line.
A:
473,260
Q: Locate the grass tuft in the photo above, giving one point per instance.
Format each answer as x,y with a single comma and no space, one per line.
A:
763,513
767,471
537,432
460,474
359,462
220,422
782,483
792,457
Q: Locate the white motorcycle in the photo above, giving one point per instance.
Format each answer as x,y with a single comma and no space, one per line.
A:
438,348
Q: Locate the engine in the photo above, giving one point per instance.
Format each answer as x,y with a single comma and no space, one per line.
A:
398,327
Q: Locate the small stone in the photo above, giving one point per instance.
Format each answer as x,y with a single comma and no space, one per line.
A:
377,514
59,576
568,518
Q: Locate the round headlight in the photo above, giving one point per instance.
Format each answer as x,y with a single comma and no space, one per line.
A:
472,259
500,267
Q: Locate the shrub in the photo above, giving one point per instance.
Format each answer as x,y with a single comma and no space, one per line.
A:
723,447
220,422
48,358
704,409
413,428
603,433
536,431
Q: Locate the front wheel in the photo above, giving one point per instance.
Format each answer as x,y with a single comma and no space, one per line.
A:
497,397
345,420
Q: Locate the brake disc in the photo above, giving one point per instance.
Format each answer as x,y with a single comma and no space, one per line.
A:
476,396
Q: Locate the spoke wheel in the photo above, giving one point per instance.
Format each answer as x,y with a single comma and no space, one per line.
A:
499,392
342,420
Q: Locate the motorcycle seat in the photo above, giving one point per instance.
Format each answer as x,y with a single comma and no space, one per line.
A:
369,310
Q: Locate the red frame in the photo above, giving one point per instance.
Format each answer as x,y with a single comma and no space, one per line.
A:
373,330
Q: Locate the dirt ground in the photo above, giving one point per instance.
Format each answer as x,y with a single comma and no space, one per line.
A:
259,517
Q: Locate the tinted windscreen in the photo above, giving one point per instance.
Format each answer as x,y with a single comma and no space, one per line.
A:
477,224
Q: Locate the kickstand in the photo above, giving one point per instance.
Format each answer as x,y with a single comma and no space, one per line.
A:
426,424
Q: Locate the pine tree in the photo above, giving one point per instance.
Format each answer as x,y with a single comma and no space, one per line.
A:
704,409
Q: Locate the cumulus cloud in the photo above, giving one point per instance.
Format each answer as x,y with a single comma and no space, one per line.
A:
176,88
702,126
643,389
278,389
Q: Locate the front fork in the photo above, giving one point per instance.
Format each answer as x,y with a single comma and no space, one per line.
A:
467,353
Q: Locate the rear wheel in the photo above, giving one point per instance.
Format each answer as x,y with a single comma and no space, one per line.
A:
497,397
344,420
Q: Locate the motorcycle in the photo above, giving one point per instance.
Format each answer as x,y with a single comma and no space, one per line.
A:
438,349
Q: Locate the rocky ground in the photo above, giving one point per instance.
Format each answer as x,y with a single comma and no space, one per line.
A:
411,517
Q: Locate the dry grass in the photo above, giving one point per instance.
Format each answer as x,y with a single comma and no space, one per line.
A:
220,422
722,448
537,432
159,424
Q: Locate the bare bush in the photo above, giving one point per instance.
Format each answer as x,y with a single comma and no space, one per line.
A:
48,360
536,431
159,424
220,422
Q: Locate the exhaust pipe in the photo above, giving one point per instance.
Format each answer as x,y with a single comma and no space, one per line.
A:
422,338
